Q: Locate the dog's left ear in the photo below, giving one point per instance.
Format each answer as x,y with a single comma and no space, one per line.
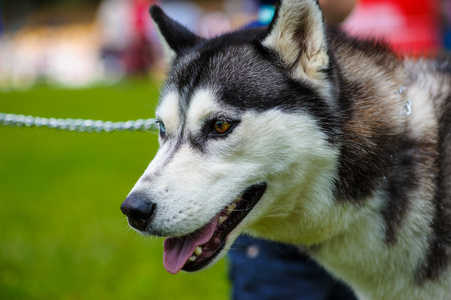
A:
297,36
175,37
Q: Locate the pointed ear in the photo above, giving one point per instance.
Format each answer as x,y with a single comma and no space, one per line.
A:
297,36
175,37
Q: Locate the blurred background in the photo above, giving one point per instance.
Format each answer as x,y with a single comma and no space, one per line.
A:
62,234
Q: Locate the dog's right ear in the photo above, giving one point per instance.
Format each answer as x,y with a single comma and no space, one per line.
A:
297,36
175,37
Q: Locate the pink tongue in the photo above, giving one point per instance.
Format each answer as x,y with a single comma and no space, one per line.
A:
178,250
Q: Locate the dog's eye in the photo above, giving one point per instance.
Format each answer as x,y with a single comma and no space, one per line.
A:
221,126
162,129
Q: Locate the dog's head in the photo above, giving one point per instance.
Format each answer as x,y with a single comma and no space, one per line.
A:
244,138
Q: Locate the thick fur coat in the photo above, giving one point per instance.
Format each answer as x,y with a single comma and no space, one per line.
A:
300,134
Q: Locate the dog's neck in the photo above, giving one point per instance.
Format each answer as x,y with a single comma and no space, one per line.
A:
388,238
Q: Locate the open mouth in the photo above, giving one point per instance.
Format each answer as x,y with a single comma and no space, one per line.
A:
194,251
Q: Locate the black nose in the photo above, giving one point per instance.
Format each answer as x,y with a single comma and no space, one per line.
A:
139,210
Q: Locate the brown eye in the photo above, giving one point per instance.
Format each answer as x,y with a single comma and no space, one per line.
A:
221,126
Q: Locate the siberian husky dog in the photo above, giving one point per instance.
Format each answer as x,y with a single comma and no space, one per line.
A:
300,134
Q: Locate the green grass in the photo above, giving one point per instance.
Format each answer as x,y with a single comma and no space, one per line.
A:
62,235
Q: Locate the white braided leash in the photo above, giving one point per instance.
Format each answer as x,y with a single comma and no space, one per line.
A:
78,125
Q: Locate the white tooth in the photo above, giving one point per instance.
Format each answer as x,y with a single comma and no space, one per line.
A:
230,208
192,258
222,219
198,251
238,199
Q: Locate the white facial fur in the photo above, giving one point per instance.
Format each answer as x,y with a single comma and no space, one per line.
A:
169,109
287,151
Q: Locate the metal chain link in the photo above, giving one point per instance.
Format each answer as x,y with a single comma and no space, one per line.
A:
78,125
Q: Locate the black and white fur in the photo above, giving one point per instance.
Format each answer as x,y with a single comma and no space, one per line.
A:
351,143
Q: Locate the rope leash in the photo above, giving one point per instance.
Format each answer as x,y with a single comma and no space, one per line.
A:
77,125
